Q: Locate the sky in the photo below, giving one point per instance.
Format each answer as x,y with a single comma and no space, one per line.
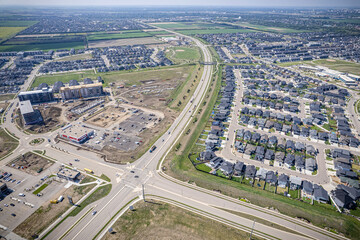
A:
243,3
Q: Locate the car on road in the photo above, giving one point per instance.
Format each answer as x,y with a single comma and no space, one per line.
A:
136,176
77,160
11,204
94,212
21,195
6,205
132,171
13,214
1,209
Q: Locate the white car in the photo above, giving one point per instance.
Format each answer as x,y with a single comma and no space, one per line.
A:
21,195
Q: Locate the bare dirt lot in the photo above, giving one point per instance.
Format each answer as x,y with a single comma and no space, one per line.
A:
157,220
52,116
48,212
30,163
109,117
121,42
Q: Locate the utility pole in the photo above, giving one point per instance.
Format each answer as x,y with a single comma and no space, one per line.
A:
143,192
252,229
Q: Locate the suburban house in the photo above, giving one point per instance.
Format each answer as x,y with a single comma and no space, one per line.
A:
283,181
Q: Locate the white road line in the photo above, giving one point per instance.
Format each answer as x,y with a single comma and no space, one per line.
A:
98,212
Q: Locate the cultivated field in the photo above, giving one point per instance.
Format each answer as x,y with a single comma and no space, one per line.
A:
30,163
8,32
122,42
44,46
157,220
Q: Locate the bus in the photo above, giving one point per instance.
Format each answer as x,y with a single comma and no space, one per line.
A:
88,170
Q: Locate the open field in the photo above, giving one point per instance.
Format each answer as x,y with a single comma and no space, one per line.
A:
30,163
121,35
76,57
4,97
340,65
44,46
334,64
157,220
213,31
122,42
8,32
183,54
48,212
122,77
268,29
189,25
17,23
7,143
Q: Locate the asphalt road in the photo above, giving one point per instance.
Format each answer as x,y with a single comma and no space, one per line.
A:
127,187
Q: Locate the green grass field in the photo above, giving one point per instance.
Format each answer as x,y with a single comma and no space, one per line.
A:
183,54
268,29
44,46
214,31
8,32
129,78
122,35
17,23
189,25
340,65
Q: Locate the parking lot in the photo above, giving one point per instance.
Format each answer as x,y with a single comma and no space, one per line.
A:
126,136
20,201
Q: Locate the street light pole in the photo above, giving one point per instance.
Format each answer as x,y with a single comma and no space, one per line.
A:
252,229
143,192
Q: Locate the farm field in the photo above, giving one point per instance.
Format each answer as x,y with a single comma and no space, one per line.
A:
269,29
121,35
213,31
8,32
189,25
157,220
11,23
123,41
44,46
